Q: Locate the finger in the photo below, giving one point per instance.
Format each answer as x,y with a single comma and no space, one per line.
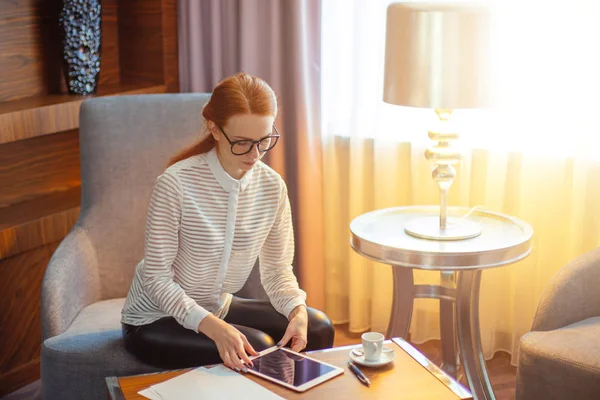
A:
298,344
227,359
249,347
250,350
235,358
304,343
239,365
285,339
231,361
243,356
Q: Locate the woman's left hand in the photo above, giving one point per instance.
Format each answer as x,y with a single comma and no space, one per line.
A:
296,330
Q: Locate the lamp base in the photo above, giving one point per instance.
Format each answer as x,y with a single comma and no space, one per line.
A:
429,228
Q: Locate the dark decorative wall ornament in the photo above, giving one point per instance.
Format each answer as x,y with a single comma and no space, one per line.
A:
80,21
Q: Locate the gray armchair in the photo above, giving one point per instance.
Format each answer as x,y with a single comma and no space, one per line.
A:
125,144
560,358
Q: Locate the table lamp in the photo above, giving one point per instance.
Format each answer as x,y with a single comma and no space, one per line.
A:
437,57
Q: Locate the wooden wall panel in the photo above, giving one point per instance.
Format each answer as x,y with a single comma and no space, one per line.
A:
140,48
109,50
38,167
44,115
34,223
30,50
39,174
170,44
20,320
31,54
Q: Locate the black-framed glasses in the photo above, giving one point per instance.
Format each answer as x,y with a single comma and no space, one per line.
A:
244,146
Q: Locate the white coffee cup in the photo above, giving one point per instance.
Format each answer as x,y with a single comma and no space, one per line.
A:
372,343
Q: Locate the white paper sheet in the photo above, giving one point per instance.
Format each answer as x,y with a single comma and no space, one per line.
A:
213,383
151,394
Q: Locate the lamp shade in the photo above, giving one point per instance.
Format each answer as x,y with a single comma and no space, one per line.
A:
437,55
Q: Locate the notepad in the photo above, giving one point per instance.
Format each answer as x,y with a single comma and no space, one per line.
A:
209,383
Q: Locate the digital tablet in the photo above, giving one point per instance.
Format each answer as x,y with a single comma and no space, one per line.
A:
290,369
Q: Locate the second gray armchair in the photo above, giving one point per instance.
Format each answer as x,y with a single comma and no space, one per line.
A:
560,357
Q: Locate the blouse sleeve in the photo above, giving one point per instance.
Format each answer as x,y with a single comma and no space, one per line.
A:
161,246
276,258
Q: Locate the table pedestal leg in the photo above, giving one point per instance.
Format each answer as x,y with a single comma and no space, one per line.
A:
450,355
469,338
459,319
402,305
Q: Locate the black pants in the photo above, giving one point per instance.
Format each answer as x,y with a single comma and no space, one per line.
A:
167,344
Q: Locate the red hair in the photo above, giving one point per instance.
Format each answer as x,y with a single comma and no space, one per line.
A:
237,94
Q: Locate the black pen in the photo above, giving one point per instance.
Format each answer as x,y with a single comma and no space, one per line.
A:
361,377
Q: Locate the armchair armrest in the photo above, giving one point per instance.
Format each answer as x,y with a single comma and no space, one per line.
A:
572,295
70,283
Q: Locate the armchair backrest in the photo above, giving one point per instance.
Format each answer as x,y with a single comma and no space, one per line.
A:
126,143
572,294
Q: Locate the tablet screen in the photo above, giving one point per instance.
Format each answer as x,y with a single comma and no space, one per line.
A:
290,368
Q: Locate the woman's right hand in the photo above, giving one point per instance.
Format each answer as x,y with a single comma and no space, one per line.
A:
231,343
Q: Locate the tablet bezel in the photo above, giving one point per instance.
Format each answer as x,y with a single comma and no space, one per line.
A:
305,386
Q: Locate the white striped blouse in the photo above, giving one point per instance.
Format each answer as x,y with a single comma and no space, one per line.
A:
204,231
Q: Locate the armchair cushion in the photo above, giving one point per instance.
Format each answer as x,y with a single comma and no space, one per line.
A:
562,363
88,351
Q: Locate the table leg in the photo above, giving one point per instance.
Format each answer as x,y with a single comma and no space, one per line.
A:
402,306
469,338
450,355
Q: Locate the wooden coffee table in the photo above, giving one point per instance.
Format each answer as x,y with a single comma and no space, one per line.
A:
411,376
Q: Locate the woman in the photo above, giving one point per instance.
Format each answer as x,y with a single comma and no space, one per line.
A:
213,211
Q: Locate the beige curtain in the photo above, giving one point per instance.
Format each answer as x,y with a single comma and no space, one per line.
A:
559,197
536,157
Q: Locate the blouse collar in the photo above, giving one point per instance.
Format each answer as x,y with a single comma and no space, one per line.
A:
228,183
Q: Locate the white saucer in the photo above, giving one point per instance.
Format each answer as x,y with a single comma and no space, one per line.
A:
386,358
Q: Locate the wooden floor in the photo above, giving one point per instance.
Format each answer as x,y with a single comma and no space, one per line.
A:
502,374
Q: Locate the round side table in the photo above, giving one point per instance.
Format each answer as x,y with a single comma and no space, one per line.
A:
380,235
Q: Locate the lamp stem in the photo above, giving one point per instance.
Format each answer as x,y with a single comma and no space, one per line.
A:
444,156
443,196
